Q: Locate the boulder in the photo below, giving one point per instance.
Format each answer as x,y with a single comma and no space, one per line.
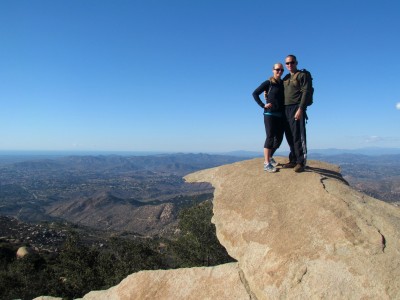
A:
23,251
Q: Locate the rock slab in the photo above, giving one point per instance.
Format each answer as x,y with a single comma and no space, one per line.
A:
305,235
190,283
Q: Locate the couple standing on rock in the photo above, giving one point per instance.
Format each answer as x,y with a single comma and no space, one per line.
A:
285,113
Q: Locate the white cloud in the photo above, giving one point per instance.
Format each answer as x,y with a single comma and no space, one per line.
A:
374,139
398,105
382,140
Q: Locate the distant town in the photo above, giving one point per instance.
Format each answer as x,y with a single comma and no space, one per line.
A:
139,194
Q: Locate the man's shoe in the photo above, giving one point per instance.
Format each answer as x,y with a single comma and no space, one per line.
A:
273,162
299,168
289,165
269,168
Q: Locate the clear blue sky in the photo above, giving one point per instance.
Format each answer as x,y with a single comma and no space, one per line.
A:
154,75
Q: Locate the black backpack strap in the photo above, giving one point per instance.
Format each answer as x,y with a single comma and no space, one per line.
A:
266,93
269,89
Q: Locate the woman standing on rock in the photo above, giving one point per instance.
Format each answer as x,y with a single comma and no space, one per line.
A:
273,115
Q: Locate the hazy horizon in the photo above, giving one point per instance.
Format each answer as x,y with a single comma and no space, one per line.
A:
372,150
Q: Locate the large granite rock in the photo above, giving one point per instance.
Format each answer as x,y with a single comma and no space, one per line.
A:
295,236
220,282
306,235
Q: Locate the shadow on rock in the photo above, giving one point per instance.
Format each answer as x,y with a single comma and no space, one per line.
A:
327,173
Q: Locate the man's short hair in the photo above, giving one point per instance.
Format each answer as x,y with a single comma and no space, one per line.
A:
292,56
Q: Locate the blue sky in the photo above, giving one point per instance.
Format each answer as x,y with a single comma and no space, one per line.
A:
175,75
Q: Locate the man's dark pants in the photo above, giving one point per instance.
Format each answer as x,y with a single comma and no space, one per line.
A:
295,132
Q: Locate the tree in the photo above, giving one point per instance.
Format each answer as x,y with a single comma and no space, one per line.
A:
124,257
23,278
76,268
198,244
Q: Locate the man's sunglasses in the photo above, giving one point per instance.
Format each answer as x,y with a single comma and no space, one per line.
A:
290,62
278,70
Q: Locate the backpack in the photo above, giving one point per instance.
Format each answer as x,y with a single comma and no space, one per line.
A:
310,99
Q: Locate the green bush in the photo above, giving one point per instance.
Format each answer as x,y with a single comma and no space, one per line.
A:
123,257
197,244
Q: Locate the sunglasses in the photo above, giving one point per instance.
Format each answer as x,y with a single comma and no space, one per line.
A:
281,70
290,62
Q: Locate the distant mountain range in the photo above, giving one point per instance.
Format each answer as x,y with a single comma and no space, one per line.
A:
9,154
144,194
314,153
363,151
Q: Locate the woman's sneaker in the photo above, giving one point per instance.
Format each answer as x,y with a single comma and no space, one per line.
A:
273,162
269,168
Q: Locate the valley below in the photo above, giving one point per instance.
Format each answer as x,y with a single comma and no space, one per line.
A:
141,196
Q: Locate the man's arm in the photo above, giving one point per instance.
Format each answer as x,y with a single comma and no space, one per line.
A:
305,88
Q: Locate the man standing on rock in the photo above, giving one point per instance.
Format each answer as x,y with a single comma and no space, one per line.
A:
297,89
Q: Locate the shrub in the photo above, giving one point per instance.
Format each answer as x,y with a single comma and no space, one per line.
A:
198,244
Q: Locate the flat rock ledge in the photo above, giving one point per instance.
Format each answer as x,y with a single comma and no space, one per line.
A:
294,235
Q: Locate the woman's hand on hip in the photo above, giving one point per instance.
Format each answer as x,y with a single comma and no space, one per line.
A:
268,106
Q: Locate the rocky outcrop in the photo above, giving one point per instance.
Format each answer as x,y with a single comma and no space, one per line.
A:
220,282
295,236
307,235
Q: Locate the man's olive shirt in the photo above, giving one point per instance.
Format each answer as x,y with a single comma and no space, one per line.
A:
297,90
